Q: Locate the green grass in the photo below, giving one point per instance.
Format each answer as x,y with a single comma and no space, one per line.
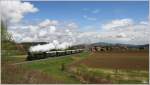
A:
12,56
13,59
120,76
53,66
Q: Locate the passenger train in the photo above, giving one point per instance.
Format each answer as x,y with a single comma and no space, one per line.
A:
42,55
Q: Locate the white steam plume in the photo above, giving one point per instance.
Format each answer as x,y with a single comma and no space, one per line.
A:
46,47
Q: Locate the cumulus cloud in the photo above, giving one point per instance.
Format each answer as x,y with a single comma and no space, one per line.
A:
144,22
46,31
126,31
13,11
118,31
72,26
42,33
48,22
52,29
118,23
27,39
121,35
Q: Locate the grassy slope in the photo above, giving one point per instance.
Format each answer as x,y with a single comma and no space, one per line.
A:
53,66
100,75
99,68
43,71
49,71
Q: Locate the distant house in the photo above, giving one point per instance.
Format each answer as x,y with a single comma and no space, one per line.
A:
108,48
100,49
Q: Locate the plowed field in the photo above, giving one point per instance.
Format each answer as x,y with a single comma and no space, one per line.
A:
117,60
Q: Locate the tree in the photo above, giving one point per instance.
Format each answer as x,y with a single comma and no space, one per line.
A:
6,41
5,36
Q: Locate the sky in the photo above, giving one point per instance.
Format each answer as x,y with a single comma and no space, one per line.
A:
77,22
99,10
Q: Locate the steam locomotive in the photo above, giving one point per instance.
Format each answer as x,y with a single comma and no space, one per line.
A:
42,55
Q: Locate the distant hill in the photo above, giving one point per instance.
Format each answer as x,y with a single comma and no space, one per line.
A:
117,44
101,44
27,45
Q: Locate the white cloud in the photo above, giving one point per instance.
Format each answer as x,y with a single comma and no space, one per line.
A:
48,33
120,31
27,39
33,29
117,24
144,22
42,33
121,35
13,11
89,18
48,22
127,31
52,29
136,33
72,25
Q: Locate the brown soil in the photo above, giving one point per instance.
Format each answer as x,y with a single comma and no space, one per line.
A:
117,60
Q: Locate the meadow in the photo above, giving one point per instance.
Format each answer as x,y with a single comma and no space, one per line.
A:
39,71
113,67
86,67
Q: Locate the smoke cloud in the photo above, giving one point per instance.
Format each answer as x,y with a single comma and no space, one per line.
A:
47,47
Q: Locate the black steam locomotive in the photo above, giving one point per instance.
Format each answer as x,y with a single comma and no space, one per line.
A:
42,55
